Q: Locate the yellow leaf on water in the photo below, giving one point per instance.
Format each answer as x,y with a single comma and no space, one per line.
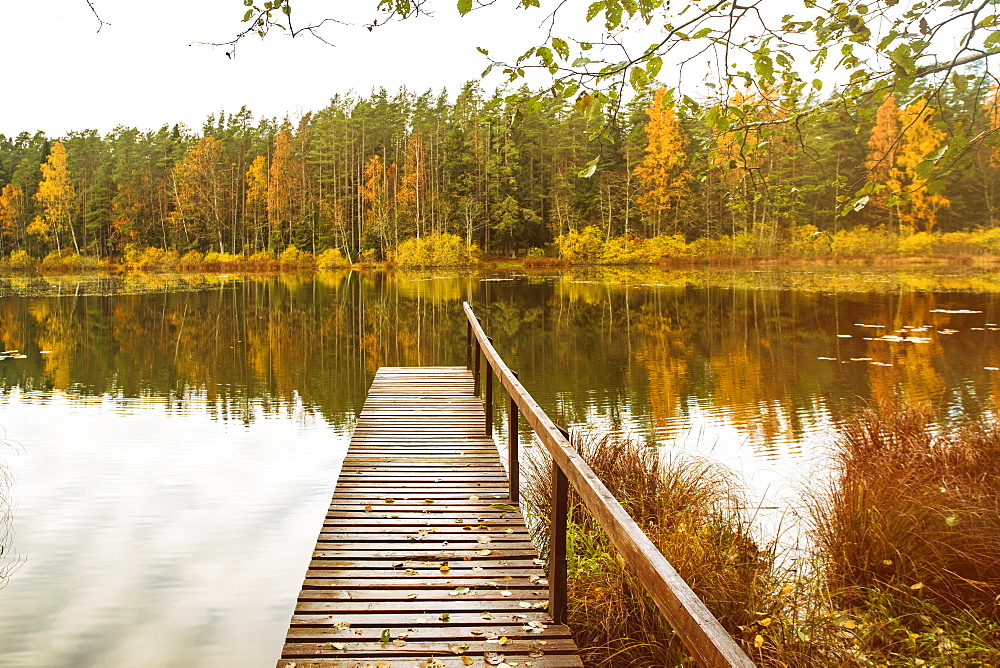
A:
758,641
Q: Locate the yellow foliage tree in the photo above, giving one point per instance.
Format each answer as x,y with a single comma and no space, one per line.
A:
256,197
916,205
663,170
56,198
282,186
199,186
11,205
882,149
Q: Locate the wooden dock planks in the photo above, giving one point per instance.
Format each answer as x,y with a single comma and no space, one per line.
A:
421,562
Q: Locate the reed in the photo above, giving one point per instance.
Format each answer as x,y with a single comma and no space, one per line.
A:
694,512
907,536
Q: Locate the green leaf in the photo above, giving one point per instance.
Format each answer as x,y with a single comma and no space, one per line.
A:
594,10
587,172
561,47
637,78
385,637
464,7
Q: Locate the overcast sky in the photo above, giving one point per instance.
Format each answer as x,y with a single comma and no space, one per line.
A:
145,68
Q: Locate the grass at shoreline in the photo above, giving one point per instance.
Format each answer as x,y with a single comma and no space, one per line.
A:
904,569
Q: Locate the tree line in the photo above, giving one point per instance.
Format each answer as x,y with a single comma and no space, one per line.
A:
366,173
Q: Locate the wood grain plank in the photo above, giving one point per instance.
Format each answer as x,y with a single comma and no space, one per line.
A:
419,539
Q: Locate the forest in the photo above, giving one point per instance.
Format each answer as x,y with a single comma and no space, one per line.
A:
366,173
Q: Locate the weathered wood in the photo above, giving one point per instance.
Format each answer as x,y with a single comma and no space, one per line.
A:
698,629
420,543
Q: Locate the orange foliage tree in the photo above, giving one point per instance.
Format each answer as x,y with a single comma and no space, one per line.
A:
199,185
908,179
882,149
412,194
375,193
282,187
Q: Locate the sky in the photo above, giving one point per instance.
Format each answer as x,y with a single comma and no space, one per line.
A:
149,65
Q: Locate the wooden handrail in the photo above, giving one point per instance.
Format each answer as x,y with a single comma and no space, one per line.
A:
702,634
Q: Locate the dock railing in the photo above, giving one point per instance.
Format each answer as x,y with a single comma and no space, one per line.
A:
702,634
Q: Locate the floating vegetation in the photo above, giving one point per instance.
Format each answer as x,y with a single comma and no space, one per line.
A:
960,310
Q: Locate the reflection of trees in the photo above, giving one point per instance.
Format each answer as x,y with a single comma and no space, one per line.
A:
748,346
665,351
268,341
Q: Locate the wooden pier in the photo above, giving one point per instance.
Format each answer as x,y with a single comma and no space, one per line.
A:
422,561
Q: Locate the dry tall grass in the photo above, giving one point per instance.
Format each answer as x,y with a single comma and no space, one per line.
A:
908,539
695,514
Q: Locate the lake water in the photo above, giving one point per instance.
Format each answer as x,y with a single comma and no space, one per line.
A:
173,442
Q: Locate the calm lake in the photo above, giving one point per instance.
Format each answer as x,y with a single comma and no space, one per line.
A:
172,442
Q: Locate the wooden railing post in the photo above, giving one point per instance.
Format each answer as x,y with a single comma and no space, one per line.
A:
475,369
557,545
468,345
488,395
513,461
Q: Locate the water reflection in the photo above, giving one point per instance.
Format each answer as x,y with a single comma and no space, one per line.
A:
180,436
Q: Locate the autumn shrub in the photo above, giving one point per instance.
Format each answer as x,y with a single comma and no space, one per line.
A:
150,259
67,261
221,258
331,258
907,536
21,261
293,258
862,241
624,250
583,246
191,260
740,245
436,250
264,259
667,246
807,241
694,513
988,239
919,243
